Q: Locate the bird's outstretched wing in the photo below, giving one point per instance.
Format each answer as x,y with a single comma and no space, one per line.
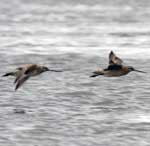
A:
20,71
113,59
18,76
21,80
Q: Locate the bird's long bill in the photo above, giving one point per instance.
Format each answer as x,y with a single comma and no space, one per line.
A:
139,71
55,70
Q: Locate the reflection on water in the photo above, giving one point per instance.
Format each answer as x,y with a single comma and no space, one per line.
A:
69,108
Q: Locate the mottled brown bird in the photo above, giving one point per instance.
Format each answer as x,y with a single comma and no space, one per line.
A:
115,68
26,71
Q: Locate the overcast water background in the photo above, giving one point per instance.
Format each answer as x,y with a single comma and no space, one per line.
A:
69,108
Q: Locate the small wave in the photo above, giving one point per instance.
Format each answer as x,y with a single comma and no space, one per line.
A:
137,118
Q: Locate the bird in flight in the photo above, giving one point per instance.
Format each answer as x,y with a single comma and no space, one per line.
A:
26,71
115,68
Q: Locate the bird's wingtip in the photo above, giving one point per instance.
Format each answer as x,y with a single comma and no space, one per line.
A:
16,88
111,52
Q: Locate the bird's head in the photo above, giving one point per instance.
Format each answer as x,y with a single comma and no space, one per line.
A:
44,68
130,68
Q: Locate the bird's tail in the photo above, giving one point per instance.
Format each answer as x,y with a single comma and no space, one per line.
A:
8,74
97,73
94,75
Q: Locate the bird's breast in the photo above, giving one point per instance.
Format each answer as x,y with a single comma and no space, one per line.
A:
115,73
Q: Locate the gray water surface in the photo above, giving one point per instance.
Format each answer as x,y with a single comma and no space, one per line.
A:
69,108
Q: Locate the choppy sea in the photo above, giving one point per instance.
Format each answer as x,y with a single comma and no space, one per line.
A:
69,108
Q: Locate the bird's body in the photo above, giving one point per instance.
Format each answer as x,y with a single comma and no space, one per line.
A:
115,68
112,73
26,71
